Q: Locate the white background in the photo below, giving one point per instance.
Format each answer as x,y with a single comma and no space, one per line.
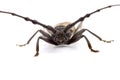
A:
74,62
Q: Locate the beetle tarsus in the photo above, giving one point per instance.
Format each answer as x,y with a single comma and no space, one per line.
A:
21,45
108,41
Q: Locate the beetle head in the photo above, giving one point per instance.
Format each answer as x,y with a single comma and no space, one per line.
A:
60,36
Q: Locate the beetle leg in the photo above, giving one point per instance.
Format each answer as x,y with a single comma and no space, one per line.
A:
99,37
48,40
78,36
83,30
89,44
42,32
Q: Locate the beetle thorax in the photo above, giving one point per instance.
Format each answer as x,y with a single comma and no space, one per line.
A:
60,36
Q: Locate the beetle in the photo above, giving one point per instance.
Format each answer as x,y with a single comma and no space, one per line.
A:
63,33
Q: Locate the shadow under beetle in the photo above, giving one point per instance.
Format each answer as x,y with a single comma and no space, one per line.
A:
62,33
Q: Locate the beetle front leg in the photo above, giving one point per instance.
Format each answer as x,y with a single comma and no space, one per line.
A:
42,32
98,36
21,45
78,37
48,40
83,30
89,44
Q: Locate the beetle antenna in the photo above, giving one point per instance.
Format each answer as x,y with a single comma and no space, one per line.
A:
87,16
31,20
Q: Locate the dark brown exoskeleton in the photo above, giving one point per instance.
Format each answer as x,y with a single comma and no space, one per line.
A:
63,33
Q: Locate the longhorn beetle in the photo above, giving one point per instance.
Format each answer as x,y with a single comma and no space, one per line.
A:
63,33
